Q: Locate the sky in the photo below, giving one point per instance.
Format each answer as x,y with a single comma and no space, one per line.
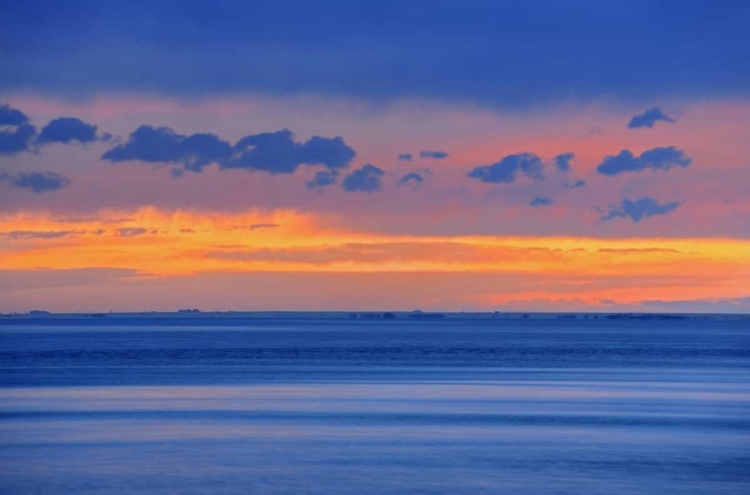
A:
390,155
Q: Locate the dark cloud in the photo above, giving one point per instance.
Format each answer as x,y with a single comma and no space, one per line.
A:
272,152
323,178
187,231
509,168
302,47
562,162
65,130
16,140
639,209
649,118
162,145
541,201
11,116
662,158
38,182
131,231
278,153
435,155
576,184
23,135
405,156
411,177
333,153
366,179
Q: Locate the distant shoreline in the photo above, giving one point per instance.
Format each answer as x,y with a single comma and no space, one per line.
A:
378,315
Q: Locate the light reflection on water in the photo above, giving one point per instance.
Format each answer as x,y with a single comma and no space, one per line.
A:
670,413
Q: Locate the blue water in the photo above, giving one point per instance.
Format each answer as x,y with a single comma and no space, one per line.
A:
336,406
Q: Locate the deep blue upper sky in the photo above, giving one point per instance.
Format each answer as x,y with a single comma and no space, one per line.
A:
491,52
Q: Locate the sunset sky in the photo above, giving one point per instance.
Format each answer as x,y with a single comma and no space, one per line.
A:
339,155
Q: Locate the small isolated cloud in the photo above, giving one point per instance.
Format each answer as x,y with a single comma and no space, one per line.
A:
662,158
131,231
67,129
12,116
435,155
509,168
576,184
412,177
639,209
271,152
187,231
37,182
323,178
405,157
541,201
366,179
562,162
649,118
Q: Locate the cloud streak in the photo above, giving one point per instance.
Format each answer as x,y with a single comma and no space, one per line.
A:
541,201
37,182
576,184
432,154
35,234
131,231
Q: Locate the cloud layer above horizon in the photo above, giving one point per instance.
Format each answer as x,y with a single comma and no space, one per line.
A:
540,50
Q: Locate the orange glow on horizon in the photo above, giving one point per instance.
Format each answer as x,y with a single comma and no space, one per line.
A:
160,244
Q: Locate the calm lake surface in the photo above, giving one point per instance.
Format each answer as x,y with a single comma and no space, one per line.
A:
200,405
